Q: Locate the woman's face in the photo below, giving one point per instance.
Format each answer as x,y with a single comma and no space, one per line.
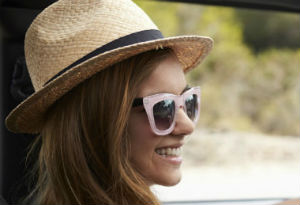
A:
167,77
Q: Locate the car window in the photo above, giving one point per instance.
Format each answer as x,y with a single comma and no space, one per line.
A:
246,145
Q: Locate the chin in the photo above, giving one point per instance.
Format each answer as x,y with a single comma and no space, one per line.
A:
169,180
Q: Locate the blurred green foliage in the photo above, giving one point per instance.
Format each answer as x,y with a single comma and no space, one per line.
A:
250,81
269,29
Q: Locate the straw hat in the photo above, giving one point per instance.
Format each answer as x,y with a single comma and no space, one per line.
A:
72,40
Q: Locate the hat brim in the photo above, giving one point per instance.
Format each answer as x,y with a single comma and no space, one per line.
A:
28,116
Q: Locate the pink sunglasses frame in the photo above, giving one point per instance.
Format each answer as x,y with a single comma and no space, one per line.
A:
179,100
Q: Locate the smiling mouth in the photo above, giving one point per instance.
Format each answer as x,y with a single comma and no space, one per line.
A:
169,152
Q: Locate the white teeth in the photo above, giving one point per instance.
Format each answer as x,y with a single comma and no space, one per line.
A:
169,151
174,152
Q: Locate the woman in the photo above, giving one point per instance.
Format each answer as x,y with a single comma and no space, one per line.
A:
111,102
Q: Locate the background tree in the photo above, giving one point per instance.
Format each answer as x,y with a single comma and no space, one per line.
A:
250,81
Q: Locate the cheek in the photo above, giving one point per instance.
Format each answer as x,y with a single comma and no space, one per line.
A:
139,128
142,153
142,141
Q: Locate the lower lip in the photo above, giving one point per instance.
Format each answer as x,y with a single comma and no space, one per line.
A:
176,160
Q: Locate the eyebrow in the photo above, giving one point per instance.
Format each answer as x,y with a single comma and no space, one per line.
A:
187,87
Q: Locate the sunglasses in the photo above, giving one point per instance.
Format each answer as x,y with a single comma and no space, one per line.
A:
161,108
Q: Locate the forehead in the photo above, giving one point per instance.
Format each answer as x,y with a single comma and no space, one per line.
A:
167,77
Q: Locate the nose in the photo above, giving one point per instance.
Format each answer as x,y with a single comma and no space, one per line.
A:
183,124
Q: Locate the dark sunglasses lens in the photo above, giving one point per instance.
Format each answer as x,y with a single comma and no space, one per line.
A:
191,104
164,112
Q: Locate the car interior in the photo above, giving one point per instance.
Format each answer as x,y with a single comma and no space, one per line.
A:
15,85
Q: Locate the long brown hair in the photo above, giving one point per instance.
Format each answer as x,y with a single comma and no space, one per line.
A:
84,148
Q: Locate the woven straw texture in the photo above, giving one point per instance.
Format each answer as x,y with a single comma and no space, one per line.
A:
70,29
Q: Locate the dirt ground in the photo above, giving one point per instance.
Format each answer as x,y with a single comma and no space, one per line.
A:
236,165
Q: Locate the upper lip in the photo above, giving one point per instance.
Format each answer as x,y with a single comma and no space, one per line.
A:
174,145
